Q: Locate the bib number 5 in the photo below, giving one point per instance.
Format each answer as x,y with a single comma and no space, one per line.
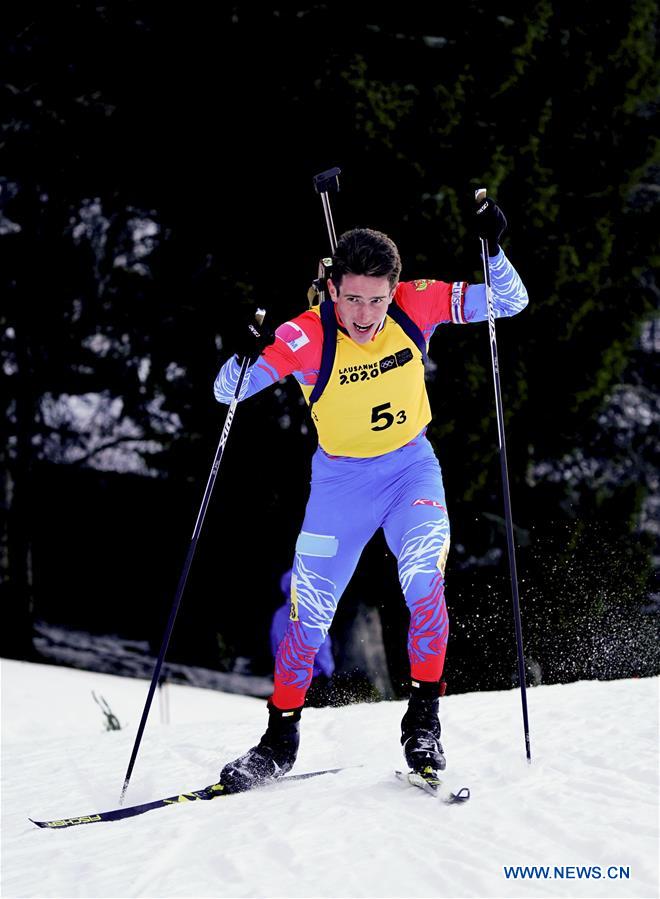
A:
382,419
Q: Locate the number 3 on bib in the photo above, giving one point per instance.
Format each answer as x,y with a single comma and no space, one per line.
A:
383,419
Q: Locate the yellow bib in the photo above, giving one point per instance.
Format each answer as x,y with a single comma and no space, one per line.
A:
375,400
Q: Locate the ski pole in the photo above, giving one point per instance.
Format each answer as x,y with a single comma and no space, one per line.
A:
480,196
186,567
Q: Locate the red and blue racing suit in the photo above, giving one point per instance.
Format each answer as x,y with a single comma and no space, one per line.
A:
373,467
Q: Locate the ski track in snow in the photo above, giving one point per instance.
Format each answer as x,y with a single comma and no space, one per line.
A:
590,796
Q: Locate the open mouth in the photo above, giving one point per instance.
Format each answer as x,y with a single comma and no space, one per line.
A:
362,329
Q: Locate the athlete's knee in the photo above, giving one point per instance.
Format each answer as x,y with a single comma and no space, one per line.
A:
423,555
314,596
308,640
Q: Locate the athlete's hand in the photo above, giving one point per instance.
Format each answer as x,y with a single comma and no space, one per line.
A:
490,224
253,337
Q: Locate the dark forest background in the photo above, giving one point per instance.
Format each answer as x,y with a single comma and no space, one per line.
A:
156,183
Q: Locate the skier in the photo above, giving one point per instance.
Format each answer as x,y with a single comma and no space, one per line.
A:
373,467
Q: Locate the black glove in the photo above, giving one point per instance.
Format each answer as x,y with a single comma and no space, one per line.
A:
490,224
253,338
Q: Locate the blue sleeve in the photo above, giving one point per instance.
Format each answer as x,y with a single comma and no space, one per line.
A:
258,376
509,293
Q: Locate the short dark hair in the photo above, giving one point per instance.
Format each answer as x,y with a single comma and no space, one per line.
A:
363,251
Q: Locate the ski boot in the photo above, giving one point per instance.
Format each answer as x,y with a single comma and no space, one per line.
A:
274,755
420,730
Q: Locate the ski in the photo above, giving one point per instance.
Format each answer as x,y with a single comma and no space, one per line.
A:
431,783
211,792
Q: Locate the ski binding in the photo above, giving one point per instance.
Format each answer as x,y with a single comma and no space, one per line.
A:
429,781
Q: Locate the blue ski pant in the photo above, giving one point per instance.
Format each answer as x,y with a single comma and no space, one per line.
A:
350,498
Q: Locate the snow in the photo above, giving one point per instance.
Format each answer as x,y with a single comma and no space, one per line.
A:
113,654
590,797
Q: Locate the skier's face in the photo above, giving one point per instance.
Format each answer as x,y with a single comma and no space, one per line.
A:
362,303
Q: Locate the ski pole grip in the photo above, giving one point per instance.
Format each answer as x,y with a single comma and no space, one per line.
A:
327,181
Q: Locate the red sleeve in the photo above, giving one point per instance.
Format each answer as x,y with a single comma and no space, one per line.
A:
297,347
430,303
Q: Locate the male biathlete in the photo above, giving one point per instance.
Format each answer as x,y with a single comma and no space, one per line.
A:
374,467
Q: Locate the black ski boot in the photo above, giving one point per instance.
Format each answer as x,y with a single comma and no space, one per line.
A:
420,729
274,755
